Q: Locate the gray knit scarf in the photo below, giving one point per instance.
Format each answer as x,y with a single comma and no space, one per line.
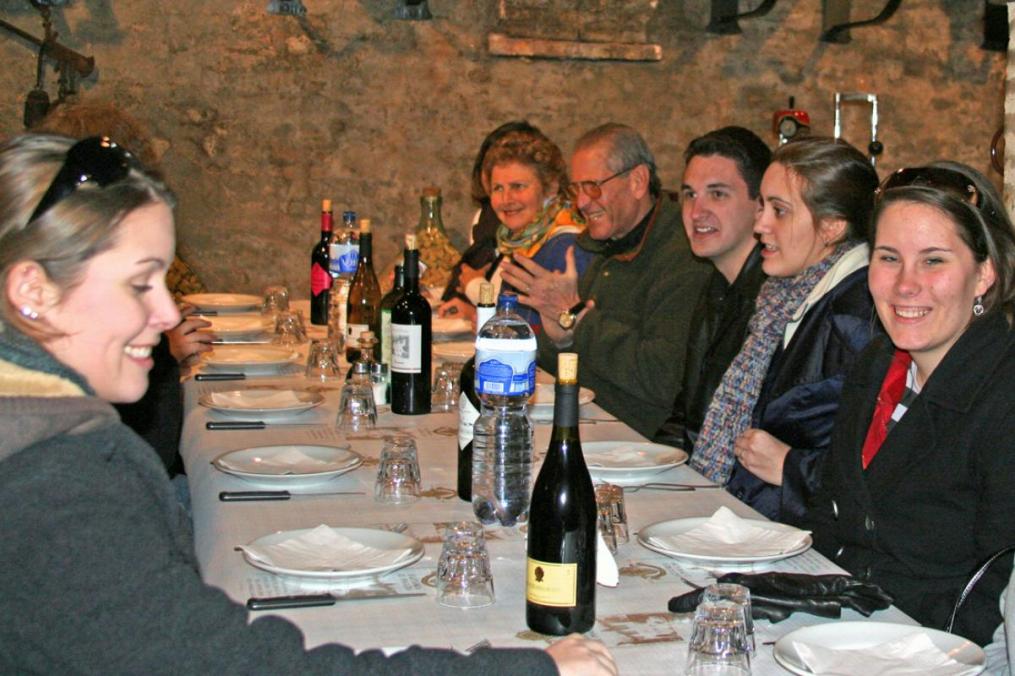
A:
729,414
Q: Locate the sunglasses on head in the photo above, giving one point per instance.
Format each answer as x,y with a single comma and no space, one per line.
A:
97,159
947,180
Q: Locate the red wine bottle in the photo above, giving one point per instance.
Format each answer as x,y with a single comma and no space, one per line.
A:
560,583
468,401
320,278
411,341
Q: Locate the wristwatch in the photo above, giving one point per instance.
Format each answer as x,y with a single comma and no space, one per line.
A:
567,317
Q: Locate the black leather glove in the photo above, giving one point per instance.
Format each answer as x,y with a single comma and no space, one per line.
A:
776,596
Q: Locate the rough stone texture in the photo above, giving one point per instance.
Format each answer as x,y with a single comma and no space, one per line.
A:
259,116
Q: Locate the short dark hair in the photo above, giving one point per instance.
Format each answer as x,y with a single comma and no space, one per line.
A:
738,144
838,180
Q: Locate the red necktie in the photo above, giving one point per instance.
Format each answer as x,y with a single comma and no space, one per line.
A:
889,396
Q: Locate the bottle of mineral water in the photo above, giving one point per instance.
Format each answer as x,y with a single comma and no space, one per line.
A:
502,442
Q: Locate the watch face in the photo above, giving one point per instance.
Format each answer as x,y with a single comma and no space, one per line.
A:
788,126
565,319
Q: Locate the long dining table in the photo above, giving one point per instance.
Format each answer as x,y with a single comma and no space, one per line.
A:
632,618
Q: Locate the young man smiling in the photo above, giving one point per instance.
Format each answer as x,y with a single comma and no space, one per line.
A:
720,199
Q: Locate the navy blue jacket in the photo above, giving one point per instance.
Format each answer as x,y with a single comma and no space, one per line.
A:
800,395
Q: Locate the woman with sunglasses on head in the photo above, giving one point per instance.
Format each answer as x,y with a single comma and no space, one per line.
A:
100,574
919,485
526,178
770,420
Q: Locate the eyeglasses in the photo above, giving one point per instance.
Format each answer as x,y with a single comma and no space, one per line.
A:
97,159
592,189
939,178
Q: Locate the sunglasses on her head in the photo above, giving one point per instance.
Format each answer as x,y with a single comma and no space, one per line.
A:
940,178
97,159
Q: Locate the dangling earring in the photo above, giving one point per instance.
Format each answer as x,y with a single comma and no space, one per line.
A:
29,313
978,306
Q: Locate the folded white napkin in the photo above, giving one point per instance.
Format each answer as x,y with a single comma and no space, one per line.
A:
606,566
289,459
621,456
323,549
726,534
257,399
910,655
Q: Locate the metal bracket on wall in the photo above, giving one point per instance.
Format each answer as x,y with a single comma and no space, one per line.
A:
412,10
875,147
835,23
725,15
995,27
84,65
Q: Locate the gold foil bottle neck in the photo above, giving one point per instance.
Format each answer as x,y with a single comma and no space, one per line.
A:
364,225
486,293
325,205
410,241
431,191
567,368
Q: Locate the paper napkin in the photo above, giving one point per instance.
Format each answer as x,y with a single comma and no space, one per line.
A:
324,549
910,655
726,534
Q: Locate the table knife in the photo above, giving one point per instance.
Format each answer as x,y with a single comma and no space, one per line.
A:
220,376
312,600
246,496
255,425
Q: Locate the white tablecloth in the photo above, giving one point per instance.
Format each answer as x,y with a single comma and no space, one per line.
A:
632,619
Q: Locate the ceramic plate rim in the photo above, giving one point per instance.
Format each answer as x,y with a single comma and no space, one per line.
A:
218,330
450,320
412,543
786,655
316,399
210,361
627,472
688,523
353,462
585,396
446,350
242,301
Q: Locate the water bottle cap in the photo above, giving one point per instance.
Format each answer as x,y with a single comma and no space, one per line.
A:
507,300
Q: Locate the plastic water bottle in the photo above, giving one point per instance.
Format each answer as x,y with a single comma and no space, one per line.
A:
502,442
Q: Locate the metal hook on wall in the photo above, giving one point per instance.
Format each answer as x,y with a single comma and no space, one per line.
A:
875,147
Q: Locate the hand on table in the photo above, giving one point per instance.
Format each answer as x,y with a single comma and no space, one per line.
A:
545,291
185,341
579,656
762,454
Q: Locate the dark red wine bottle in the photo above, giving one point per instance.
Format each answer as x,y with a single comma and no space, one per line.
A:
411,342
320,278
560,583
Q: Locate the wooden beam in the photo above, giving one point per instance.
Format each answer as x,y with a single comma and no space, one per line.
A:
505,45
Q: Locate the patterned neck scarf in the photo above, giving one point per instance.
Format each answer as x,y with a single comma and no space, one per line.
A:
729,414
553,219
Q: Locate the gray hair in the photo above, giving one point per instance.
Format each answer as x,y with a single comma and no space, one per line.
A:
626,150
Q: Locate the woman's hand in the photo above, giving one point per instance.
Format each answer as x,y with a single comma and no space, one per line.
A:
762,454
185,341
579,656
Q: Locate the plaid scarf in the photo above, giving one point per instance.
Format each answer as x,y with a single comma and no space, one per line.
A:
729,414
555,218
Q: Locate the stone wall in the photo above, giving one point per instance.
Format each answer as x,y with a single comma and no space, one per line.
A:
260,116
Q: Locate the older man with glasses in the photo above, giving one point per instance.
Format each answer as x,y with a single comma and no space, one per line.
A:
629,314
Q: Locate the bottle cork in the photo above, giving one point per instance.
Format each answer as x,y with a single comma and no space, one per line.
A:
567,368
431,191
410,241
364,225
486,293
325,205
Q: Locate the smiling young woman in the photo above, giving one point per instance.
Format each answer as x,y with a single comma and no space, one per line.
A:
919,485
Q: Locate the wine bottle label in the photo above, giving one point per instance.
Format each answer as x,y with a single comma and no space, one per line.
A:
505,366
386,336
320,280
467,416
407,348
352,332
551,584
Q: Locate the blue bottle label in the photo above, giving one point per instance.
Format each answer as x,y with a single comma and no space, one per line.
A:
506,367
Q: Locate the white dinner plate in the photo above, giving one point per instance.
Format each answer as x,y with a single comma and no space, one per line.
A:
288,464
261,401
227,326
678,526
541,401
250,358
443,326
629,462
379,539
233,302
860,635
456,350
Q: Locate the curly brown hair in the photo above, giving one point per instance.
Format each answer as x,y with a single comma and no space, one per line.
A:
533,150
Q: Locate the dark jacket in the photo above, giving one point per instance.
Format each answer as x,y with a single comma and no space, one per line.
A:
939,497
718,331
100,575
628,344
800,395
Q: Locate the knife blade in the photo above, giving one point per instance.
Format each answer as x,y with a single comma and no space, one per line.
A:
313,600
220,376
247,496
255,425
